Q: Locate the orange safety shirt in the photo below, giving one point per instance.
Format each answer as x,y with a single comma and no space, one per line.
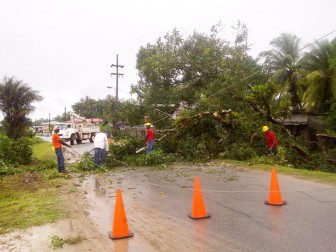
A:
56,141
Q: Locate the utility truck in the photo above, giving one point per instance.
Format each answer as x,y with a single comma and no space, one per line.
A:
78,130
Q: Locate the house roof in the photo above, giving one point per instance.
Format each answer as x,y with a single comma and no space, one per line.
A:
303,119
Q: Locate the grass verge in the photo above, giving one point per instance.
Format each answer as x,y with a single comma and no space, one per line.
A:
31,196
316,176
29,200
43,151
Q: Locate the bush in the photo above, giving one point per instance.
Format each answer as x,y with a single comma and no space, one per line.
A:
16,152
85,164
6,170
125,146
271,159
191,149
239,152
35,140
156,157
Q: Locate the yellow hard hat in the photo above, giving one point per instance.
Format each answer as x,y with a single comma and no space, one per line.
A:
148,124
265,128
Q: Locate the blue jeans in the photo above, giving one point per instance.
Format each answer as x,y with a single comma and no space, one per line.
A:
150,146
99,156
60,159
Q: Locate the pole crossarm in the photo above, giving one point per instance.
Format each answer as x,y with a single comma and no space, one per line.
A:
117,66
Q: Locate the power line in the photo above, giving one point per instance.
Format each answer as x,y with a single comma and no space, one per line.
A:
257,72
162,16
248,77
317,40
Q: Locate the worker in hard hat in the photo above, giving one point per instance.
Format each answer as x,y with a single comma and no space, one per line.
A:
271,140
150,139
57,144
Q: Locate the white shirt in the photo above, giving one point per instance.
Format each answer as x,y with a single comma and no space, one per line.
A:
101,141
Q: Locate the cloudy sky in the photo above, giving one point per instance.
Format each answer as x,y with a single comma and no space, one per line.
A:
64,48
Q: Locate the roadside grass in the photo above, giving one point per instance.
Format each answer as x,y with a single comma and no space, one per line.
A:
31,196
316,176
43,151
24,204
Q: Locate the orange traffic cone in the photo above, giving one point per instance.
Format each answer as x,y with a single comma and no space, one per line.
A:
275,198
120,226
198,208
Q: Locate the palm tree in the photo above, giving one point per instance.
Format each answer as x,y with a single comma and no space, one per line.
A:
320,62
15,103
282,63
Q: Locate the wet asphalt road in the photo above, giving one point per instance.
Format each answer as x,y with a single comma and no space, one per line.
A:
158,201
79,148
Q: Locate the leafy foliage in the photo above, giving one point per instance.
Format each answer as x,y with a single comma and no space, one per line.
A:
282,62
110,110
239,152
200,73
156,157
85,164
15,152
320,63
330,120
204,76
58,242
221,97
89,107
125,145
16,100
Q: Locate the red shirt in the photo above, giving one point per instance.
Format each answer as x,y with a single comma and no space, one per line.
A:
150,135
271,140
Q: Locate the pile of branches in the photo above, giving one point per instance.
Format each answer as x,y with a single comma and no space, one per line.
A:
227,134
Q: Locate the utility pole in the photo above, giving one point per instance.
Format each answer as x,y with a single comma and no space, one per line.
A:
91,111
117,76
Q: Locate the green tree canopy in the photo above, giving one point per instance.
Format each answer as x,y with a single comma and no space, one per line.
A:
89,107
204,72
320,64
282,64
16,100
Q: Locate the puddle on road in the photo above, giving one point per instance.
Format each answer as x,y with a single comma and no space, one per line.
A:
101,197
155,214
101,203
38,238
276,218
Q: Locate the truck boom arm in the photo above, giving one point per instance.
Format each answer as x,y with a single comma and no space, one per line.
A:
74,116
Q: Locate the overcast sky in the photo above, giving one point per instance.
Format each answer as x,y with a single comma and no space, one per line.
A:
64,48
